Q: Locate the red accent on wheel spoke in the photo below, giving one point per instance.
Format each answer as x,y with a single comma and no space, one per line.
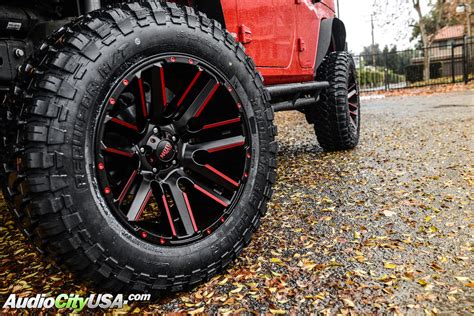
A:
127,186
163,86
190,211
142,97
212,196
144,204
353,113
125,124
238,144
168,214
118,152
223,123
188,89
220,174
206,102
353,105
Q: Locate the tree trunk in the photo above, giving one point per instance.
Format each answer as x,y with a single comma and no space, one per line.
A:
424,38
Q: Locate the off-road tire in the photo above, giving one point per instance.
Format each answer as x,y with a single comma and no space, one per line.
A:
47,179
331,116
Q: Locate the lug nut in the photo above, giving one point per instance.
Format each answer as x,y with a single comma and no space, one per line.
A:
155,170
142,150
174,162
173,138
155,130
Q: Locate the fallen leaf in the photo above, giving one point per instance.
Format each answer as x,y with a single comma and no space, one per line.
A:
389,265
277,311
389,213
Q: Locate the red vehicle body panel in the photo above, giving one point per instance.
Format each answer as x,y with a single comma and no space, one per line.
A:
280,35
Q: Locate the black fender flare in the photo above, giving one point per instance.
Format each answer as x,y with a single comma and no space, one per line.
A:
332,37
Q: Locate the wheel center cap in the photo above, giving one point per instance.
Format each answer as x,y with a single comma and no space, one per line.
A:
165,151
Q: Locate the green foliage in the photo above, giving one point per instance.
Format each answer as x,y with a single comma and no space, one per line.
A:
388,57
370,77
439,17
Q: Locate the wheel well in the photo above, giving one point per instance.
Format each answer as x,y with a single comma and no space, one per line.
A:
212,8
332,37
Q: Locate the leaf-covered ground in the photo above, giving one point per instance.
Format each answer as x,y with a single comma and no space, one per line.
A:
385,228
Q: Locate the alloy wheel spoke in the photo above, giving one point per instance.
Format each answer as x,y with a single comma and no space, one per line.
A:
124,124
168,215
352,91
219,145
140,201
189,88
119,152
127,186
222,123
211,194
214,175
183,206
199,104
159,100
142,106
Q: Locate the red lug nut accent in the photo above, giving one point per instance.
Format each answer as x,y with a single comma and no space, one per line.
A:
208,231
125,82
112,101
101,166
222,219
162,241
144,234
107,190
173,59
248,155
239,106
229,89
246,175
190,61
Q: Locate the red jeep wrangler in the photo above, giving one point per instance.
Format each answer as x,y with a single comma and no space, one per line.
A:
138,140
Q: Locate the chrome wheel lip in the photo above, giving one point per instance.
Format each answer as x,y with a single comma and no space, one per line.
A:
113,94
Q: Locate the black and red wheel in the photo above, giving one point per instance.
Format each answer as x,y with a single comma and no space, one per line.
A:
173,149
336,115
147,150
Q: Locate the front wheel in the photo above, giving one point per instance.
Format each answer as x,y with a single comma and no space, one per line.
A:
148,154
336,115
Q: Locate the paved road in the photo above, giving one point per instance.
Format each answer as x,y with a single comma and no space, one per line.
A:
385,228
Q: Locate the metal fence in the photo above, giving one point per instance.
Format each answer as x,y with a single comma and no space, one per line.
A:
452,62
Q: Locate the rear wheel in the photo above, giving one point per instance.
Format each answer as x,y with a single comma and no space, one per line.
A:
336,115
148,153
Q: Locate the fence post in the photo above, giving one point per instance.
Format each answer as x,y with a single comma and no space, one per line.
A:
386,79
464,61
453,74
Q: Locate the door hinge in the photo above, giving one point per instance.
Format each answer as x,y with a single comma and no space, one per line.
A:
301,45
245,34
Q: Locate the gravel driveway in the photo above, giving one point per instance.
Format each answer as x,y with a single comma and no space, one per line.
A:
385,228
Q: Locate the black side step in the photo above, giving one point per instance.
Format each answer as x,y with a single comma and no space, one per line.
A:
296,105
282,90
295,96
